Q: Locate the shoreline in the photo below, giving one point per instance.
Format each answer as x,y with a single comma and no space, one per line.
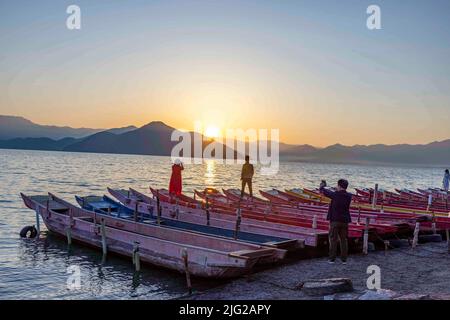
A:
421,273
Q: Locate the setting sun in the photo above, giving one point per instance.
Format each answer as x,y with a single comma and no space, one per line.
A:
212,132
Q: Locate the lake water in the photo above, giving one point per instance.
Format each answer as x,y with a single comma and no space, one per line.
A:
36,269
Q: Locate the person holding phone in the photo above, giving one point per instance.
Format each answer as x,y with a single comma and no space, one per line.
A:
339,217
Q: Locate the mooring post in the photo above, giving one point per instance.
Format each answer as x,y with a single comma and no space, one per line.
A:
416,235
447,234
184,255
69,228
103,233
38,224
386,246
359,215
135,213
433,223
238,221
375,196
177,209
158,207
95,222
314,222
69,235
430,201
366,237
136,256
207,211
71,221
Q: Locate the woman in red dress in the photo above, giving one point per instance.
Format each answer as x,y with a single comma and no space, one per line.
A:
175,180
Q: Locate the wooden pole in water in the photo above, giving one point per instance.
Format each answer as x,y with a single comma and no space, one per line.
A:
207,211
359,215
433,222
71,221
95,222
103,233
158,208
375,196
69,228
38,225
366,237
448,240
177,209
416,235
136,256
184,255
69,235
238,221
386,246
314,222
135,213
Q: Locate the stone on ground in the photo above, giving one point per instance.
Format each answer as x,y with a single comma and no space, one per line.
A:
325,287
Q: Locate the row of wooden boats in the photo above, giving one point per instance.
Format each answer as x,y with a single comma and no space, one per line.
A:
220,234
159,242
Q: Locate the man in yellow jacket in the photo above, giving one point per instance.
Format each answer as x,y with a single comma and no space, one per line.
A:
247,176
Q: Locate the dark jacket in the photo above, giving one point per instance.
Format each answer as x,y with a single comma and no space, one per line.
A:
339,210
247,171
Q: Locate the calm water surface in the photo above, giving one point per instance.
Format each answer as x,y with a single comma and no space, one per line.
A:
36,269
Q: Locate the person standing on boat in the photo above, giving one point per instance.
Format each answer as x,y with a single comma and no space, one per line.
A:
339,217
247,176
446,180
175,184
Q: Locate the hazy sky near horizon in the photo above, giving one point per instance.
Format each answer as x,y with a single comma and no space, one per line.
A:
309,68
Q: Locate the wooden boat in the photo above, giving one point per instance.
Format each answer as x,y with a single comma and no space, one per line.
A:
107,205
366,205
307,212
288,238
406,200
122,236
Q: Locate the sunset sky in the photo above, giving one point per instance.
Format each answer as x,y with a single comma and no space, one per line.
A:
309,68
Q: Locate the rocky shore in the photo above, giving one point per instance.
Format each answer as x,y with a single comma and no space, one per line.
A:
405,273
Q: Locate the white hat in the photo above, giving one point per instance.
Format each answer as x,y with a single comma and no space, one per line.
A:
178,162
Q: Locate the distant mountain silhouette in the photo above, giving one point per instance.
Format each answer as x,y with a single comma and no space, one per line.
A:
17,127
154,138
435,153
121,130
37,143
151,139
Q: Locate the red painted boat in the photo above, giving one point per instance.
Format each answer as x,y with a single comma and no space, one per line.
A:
223,219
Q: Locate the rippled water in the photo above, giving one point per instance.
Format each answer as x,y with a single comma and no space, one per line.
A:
31,269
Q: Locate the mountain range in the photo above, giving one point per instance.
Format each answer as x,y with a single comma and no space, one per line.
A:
154,139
